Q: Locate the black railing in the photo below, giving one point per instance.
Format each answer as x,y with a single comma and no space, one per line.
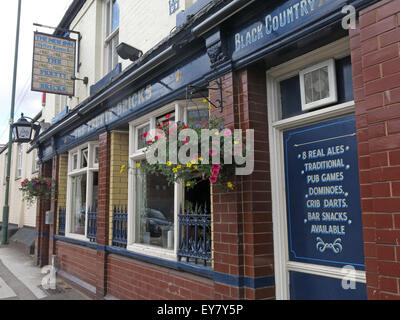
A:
120,226
92,224
195,236
61,221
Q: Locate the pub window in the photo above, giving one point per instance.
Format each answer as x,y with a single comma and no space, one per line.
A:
111,40
35,165
154,204
290,89
19,162
82,189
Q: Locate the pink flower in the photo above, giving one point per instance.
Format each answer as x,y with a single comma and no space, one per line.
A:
213,179
227,132
215,168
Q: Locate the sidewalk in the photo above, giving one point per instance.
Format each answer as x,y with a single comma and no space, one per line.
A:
20,279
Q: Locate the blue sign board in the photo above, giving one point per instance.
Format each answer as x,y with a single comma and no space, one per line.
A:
323,194
305,286
280,21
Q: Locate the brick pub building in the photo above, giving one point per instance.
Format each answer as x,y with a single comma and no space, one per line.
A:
323,201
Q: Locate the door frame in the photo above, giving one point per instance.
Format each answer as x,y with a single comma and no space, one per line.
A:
338,49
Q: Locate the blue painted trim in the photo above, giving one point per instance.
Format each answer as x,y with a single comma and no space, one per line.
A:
243,281
90,245
42,234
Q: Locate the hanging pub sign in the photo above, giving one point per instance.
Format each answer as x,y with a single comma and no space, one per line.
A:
323,194
53,64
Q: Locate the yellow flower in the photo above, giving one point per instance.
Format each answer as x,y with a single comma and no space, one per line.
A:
122,168
205,100
193,161
137,165
174,170
236,142
217,133
187,184
189,164
195,167
178,167
230,185
209,107
200,159
169,163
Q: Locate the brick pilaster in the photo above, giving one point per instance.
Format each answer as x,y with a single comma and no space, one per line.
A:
242,219
375,50
103,213
42,230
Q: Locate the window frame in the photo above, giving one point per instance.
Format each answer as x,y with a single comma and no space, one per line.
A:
35,164
18,166
179,107
89,170
109,35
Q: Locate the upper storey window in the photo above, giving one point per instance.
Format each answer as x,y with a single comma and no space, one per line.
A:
112,34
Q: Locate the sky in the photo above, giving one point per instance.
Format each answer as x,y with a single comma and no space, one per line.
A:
45,12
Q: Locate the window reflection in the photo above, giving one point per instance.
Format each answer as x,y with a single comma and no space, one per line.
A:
155,210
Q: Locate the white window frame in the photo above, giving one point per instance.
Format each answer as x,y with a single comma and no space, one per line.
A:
332,98
108,35
89,171
277,126
35,165
18,167
135,155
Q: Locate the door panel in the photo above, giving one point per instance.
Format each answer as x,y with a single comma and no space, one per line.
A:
312,287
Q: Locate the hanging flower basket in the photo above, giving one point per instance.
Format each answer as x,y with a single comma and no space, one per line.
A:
195,169
37,188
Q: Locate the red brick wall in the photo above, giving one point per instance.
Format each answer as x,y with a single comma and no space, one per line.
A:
128,279
78,261
242,219
375,48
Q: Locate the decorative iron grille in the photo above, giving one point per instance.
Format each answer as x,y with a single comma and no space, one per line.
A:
61,221
92,224
120,226
195,236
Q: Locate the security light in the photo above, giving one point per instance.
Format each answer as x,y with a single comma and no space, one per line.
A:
125,51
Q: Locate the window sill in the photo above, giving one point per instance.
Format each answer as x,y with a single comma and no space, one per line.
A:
152,251
77,237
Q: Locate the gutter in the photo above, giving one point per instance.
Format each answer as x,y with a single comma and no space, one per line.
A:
220,16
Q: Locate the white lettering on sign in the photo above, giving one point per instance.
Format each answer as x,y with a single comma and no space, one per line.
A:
326,199
272,23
